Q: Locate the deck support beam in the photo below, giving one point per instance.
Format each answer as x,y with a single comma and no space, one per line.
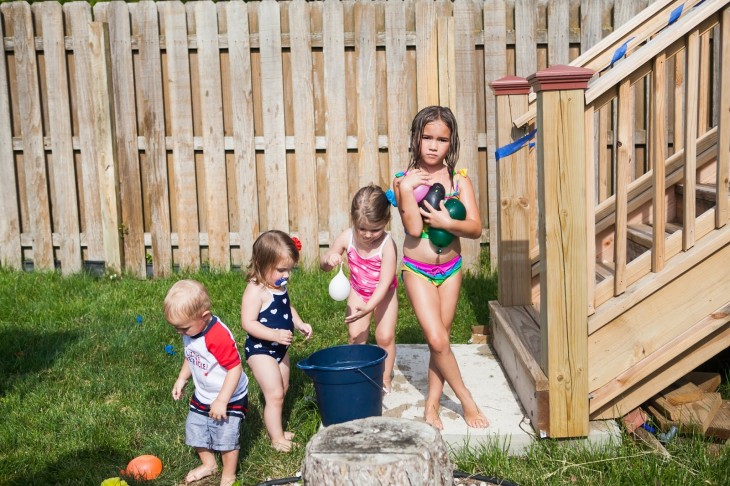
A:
562,199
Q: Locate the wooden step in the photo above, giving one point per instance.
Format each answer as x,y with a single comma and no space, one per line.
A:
516,340
705,192
642,234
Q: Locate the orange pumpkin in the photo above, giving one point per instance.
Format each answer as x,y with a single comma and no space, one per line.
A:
143,467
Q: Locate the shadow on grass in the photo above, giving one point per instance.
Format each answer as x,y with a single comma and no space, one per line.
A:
479,290
84,466
27,353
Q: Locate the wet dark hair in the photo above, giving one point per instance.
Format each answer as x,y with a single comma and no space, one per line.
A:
370,204
423,118
269,249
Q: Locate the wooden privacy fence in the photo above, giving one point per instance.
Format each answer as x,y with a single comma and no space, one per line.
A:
177,132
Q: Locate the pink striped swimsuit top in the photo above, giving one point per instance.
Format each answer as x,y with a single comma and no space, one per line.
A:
365,272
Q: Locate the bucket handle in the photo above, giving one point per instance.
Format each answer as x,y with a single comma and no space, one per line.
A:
373,382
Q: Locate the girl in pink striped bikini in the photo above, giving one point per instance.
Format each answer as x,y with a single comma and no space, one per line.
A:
371,256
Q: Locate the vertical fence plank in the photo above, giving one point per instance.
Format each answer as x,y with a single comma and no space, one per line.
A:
525,37
10,251
29,107
211,114
239,56
723,125
116,14
174,25
692,92
99,87
153,131
465,113
426,54
398,116
305,192
336,116
277,214
78,16
495,67
590,23
50,18
558,33
367,122
446,55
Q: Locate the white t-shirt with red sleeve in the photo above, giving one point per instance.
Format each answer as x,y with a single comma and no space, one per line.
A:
210,355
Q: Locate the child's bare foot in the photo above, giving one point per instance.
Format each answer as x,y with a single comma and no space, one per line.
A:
387,386
228,480
431,416
200,472
289,435
475,418
283,445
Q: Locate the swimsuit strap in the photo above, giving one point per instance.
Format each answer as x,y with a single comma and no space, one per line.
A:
382,245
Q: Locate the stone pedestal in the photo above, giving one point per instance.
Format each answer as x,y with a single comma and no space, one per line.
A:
377,451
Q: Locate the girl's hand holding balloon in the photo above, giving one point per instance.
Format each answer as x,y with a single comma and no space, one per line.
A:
331,260
413,179
436,217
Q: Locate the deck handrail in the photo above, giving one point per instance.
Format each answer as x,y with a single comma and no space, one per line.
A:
641,28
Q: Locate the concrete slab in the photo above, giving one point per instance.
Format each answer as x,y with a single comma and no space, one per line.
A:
509,429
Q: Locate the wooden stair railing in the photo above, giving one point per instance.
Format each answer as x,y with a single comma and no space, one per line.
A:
574,303
642,27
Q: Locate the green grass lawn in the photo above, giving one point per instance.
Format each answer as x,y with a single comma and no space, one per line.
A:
86,387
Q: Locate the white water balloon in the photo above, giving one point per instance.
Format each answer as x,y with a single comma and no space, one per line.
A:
339,286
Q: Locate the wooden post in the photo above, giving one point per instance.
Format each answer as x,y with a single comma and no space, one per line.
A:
514,180
563,244
378,451
101,105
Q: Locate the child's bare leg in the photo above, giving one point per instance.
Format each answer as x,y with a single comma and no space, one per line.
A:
435,306
230,463
433,397
268,375
208,466
386,316
358,331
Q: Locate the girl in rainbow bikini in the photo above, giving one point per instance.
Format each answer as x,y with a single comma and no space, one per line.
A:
432,275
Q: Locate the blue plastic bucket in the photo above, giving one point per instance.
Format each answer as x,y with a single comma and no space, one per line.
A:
348,381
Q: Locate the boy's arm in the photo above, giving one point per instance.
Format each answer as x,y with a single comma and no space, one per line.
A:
182,380
219,406
333,256
387,272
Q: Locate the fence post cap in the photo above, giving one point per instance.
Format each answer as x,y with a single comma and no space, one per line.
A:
560,77
510,85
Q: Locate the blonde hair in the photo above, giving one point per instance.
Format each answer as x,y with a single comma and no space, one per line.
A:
371,205
269,249
186,299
